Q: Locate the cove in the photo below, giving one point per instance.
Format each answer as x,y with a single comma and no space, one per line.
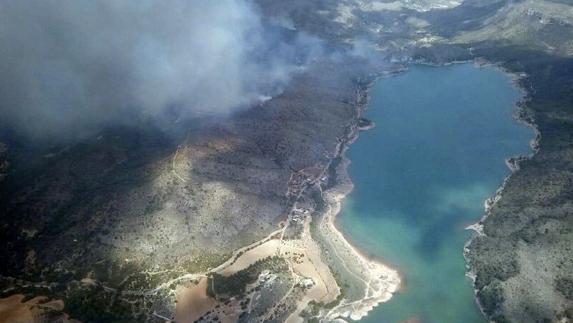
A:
422,175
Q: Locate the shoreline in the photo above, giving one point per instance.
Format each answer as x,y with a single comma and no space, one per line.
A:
519,115
367,255
385,278
386,275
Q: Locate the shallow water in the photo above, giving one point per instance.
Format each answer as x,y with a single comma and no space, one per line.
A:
421,176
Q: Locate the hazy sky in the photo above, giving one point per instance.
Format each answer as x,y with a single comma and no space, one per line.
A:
70,66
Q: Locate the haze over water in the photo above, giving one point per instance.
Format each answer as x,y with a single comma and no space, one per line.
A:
421,176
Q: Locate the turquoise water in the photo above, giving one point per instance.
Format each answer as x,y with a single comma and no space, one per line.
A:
422,175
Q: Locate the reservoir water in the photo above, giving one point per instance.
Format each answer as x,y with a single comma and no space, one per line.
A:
421,176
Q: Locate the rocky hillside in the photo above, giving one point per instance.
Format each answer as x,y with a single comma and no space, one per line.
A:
112,224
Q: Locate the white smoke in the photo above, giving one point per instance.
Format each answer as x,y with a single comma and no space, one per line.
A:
69,66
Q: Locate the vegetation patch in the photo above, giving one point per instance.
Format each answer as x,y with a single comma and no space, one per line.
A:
235,284
204,262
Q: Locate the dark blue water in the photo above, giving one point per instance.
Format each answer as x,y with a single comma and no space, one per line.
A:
422,175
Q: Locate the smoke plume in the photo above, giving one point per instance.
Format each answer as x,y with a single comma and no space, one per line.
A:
72,66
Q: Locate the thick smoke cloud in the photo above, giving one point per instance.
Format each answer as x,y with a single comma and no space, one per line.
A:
71,66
